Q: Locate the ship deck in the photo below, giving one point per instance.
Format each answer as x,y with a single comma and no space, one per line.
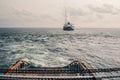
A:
9,77
21,70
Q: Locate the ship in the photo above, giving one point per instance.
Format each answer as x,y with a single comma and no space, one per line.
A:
22,70
67,26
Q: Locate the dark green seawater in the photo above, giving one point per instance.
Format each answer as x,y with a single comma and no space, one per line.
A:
97,48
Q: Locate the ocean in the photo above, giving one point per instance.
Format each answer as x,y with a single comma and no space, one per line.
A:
97,48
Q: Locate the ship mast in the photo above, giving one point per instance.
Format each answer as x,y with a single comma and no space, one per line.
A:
65,15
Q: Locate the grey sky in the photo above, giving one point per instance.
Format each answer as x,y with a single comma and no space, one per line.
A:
50,13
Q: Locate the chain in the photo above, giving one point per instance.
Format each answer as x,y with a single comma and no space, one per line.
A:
62,70
106,77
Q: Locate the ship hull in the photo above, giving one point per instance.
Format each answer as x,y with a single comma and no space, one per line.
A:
68,29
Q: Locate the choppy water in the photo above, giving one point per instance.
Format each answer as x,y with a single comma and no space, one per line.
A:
97,48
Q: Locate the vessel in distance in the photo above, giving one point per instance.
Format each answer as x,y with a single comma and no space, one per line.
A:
67,26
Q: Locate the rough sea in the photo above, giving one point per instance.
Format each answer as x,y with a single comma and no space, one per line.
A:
97,48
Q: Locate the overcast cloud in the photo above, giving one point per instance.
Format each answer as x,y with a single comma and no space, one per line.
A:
50,13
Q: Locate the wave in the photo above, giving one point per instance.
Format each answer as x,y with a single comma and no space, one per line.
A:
97,50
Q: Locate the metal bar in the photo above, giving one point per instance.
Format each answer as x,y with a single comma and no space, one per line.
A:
61,70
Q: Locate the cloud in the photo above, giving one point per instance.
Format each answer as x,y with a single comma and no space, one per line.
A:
104,9
48,17
99,11
12,17
94,13
24,15
24,18
78,12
